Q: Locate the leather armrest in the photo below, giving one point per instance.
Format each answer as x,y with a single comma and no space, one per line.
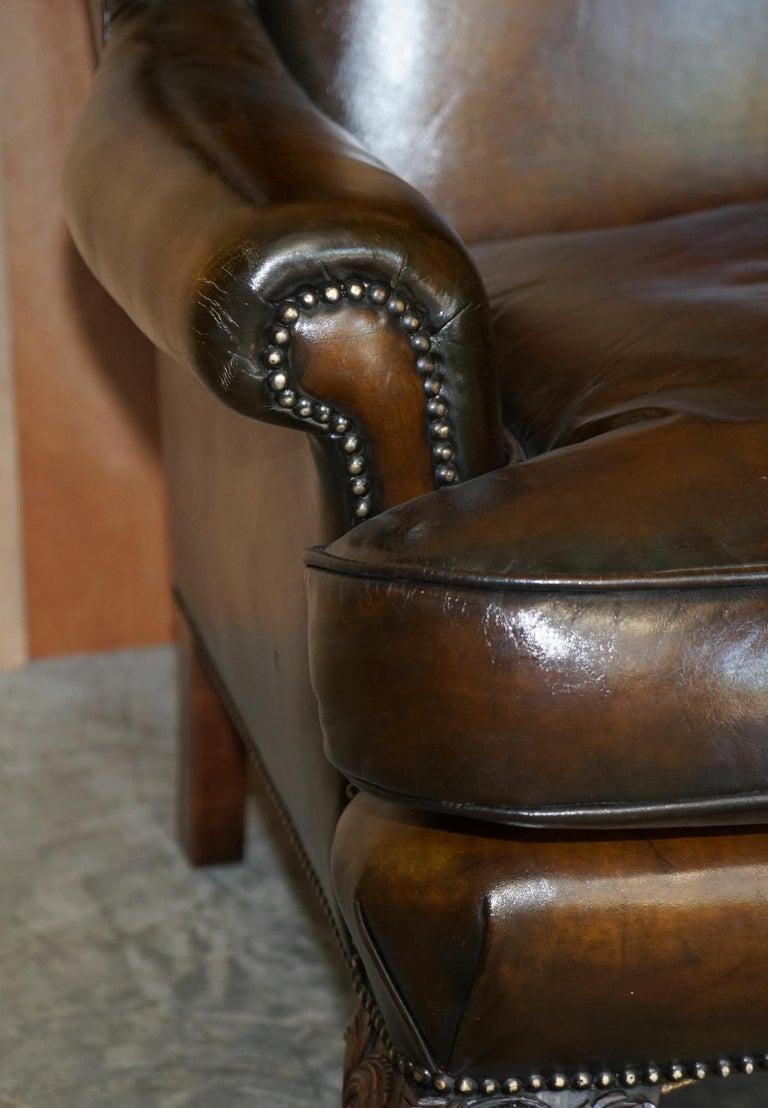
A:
206,191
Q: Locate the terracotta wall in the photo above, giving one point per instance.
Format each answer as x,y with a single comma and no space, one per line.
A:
12,622
89,481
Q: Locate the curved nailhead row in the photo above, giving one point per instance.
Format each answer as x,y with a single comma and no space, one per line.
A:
628,1078
337,425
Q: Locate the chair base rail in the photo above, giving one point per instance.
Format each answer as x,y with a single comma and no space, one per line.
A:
373,1080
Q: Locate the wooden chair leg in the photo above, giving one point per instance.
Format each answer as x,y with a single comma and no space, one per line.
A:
212,765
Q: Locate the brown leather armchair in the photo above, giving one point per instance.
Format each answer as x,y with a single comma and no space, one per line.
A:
535,500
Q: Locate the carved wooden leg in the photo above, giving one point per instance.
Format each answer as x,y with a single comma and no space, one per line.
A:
212,766
371,1080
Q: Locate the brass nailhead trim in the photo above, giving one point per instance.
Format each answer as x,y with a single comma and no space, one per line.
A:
629,1078
340,427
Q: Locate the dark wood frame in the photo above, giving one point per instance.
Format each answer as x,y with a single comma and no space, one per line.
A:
212,763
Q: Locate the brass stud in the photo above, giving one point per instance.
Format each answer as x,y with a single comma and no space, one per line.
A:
288,312
332,294
396,305
286,398
439,429
630,1078
747,1064
425,363
355,290
465,1085
442,1083
604,1080
273,357
281,336
356,464
512,1085
359,486
653,1075
303,408
350,444
411,321
724,1067
308,298
340,424
432,386
677,1072
443,452
277,381
558,1081
436,409
421,342
378,294
535,1082
446,475
322,413
582,1080
489,1086
700,1070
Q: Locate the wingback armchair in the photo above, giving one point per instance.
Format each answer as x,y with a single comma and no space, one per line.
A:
504,267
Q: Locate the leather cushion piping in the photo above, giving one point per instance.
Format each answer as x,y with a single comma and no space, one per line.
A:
736,809
692,578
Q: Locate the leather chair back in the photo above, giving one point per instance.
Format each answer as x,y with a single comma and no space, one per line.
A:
533,115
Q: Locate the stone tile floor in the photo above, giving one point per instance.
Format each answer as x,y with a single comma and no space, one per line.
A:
127,979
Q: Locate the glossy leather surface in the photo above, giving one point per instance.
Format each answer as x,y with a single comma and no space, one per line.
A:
598,329
537,952
203,186
582,634
234,191
515,116
591,622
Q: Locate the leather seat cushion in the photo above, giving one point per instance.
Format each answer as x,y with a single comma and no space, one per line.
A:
582,637
498,952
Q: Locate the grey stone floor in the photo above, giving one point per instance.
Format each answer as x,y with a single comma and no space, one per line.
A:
127,979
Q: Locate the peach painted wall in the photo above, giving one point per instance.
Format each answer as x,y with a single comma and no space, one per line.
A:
89,487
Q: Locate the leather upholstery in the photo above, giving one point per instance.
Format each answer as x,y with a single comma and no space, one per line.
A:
580,638
233,192
515,116
511,952
237,551
598,329
202,187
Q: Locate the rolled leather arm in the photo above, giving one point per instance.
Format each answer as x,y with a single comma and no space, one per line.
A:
256,242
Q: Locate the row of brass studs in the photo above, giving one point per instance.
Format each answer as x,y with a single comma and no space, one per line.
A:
583,1081
628,1078
340,427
